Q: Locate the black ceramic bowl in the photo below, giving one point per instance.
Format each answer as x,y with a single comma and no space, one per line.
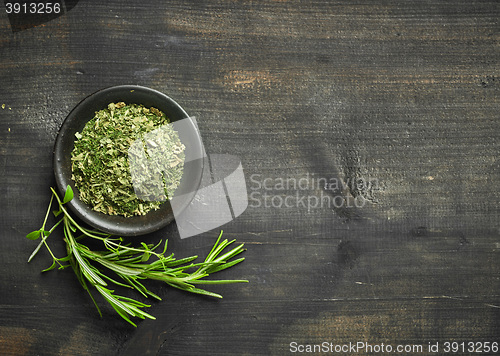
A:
85,111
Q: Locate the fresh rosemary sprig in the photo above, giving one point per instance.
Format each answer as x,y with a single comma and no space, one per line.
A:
130,265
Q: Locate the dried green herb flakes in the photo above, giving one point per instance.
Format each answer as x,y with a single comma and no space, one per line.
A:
100,160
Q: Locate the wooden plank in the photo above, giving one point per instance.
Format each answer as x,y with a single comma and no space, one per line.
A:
405,95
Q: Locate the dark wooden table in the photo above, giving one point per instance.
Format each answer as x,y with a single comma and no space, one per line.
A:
402,95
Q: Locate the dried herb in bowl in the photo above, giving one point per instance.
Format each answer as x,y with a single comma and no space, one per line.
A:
104,148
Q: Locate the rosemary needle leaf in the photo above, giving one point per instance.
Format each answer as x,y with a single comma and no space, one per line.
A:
204,292
35,251
87,270
220,281
114,281
230,254
132,301
181,261
226,265
107,294
118,268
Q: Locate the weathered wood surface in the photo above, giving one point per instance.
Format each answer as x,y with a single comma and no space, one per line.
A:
404,93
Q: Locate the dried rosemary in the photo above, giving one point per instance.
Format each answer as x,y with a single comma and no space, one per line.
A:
100,159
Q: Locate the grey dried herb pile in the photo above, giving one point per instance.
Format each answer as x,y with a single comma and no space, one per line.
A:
100,159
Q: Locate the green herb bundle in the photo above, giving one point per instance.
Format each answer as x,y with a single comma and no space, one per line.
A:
100,158
122,265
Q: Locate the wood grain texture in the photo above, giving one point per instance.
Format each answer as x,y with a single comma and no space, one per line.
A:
402,93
